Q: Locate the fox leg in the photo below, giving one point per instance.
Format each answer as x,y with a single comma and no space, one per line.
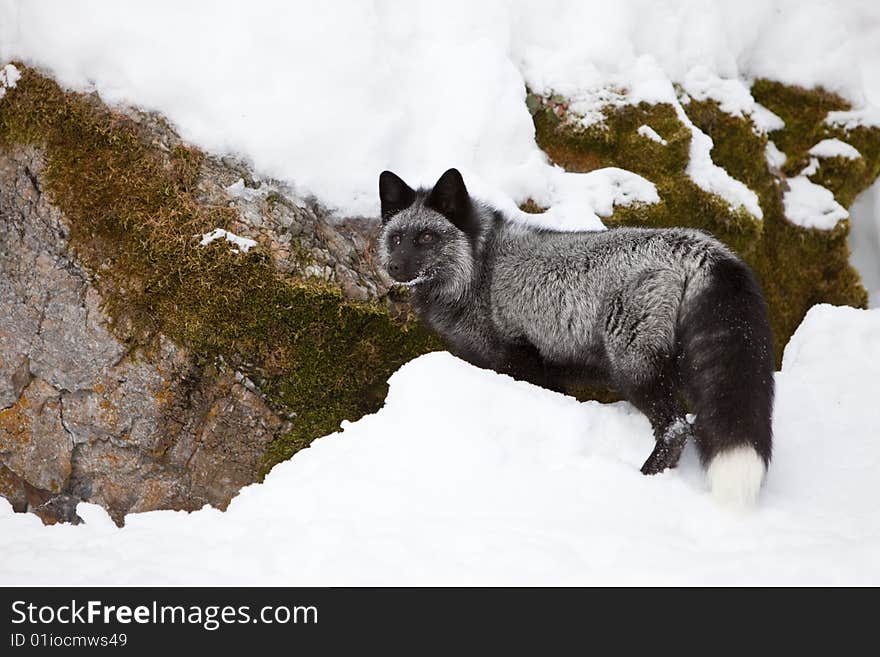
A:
523,362
658,401
640,342
668,448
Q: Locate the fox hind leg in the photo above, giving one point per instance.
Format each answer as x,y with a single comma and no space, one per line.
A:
640,342
668,448
658,400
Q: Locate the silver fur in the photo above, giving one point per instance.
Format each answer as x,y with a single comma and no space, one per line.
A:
554,290
452,269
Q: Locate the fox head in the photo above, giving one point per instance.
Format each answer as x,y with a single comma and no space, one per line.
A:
428,236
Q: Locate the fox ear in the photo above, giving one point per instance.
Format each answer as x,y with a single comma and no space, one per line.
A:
394,194
451,199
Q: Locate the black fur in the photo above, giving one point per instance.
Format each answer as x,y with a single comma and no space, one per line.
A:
394,194
726,362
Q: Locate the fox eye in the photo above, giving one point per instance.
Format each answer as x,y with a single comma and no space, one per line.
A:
427,237
395,240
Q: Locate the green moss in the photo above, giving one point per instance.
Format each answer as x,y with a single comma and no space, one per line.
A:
615,141
797,267
737,147
300,255
867,142
804,112
134,222
844,177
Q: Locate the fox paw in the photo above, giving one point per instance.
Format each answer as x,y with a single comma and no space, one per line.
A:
670,444
663,457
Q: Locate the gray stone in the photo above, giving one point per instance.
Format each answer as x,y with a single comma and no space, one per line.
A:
81,418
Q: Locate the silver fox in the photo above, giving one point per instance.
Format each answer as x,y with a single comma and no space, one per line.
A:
671,318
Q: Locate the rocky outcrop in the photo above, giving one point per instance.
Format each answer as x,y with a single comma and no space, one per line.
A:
298,233
141,370
83,417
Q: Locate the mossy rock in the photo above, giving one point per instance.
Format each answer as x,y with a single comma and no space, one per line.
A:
798,267
135,225
804,112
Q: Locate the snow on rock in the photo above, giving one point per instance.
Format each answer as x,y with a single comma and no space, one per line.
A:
649,84
765,121
868,117
835,148
775,157
244,244
649,132
9,76
439,85
646,82
599,190
810,205
239,190
733,97
811,169
710,177
469,477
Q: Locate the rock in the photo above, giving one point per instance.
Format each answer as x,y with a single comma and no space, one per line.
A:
33,441
82,418
140,370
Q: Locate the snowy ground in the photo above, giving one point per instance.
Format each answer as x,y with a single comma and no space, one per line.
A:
468,477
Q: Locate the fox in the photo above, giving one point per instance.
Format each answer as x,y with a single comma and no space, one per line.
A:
670,318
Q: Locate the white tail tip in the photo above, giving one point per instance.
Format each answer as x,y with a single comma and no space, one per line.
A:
735,477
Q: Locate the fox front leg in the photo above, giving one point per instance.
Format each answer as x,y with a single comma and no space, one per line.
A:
523,362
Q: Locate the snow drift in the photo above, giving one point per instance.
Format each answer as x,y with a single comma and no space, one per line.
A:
469,477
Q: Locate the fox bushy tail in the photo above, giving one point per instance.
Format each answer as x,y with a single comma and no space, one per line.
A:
727,369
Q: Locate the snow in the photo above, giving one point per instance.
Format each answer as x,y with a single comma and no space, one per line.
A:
9,76
710,177
765,121
811,169
835,148
648,84
868,117
733,97
469,477
810,205
775,157
239,190
587,197
650,133
324,97
244,244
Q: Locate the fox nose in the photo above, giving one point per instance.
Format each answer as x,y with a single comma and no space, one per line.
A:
394,268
